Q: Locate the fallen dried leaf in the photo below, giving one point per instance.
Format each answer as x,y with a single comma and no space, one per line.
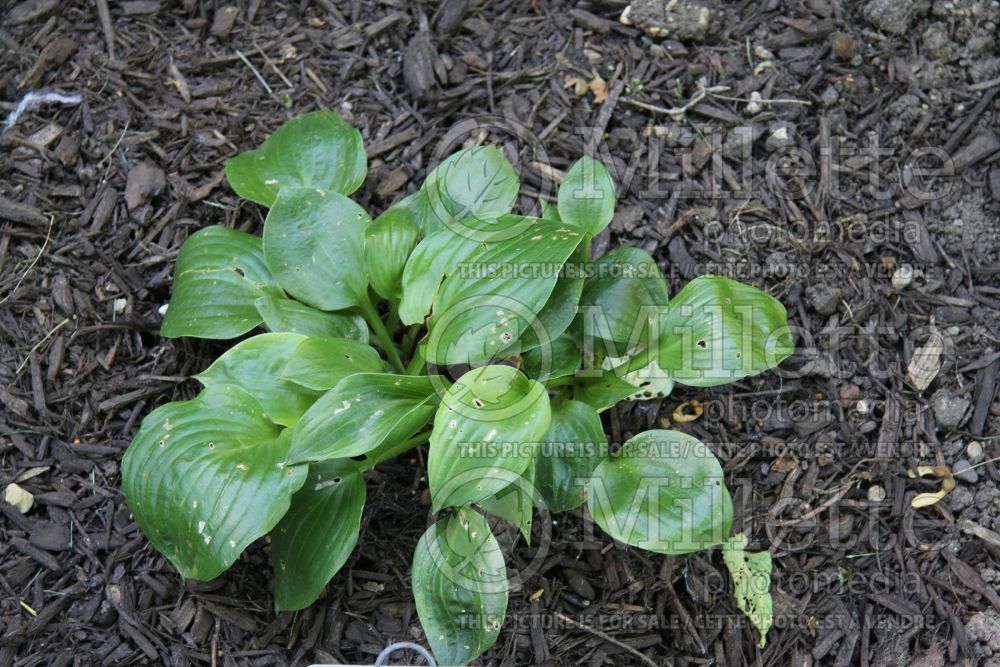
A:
537,595
599,87
682,416
927,499
926,362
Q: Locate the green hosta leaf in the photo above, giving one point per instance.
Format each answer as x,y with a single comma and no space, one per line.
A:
751,574
416,208
486,433
558,359
320,363
603,391
664,492
314,245
203,479
389,240
220,273
281,314
315,538
477,316
361,412
587,196
560,309
625,292
256,365
472,187
433,258
314,150
460,587
718,330
515,503
652,381
570,451
550,212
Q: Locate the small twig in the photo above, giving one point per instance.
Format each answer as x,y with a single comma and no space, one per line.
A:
983,85
39,344
779,100
605,637
255,72
45,244
107,27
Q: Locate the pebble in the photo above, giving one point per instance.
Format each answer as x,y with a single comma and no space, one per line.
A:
964,471
949,411
823,298
876,493
974,451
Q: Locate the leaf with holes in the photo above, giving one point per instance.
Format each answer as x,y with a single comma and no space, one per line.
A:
314,244
361,412
478,315
486,433
663,491
318,533
203,478
220,274
602,391
718,330
320,363
460,587
317,150
751,573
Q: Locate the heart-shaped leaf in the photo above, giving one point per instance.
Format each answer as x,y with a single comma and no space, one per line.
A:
220,274
460,587
314,246
203,478
623,294
751,573
558,359
316,536
486,433
389,240
255,365
516,503
281,314
587,196
360,413
718,330
470,189
663,491
320,363
570,451
479,314
314,150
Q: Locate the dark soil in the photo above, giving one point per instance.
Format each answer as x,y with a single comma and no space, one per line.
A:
95,200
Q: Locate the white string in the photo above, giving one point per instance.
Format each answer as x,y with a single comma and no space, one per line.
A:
33,100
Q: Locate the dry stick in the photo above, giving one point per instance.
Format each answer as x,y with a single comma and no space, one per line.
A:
106,26
255,72
45,244
39,344
607,638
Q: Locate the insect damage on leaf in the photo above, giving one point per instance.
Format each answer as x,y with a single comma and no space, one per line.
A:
450,321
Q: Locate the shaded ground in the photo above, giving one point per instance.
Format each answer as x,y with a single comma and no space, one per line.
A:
95,201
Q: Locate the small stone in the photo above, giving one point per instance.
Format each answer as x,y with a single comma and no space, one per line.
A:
829,96
144,181
684,21
850,392
894,16
949,411
903,277
20,498
960,498
862,407
964,471
876,493
754,105
780,135
823,298
974,451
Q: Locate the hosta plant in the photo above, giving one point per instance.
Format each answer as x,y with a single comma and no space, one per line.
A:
447,321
